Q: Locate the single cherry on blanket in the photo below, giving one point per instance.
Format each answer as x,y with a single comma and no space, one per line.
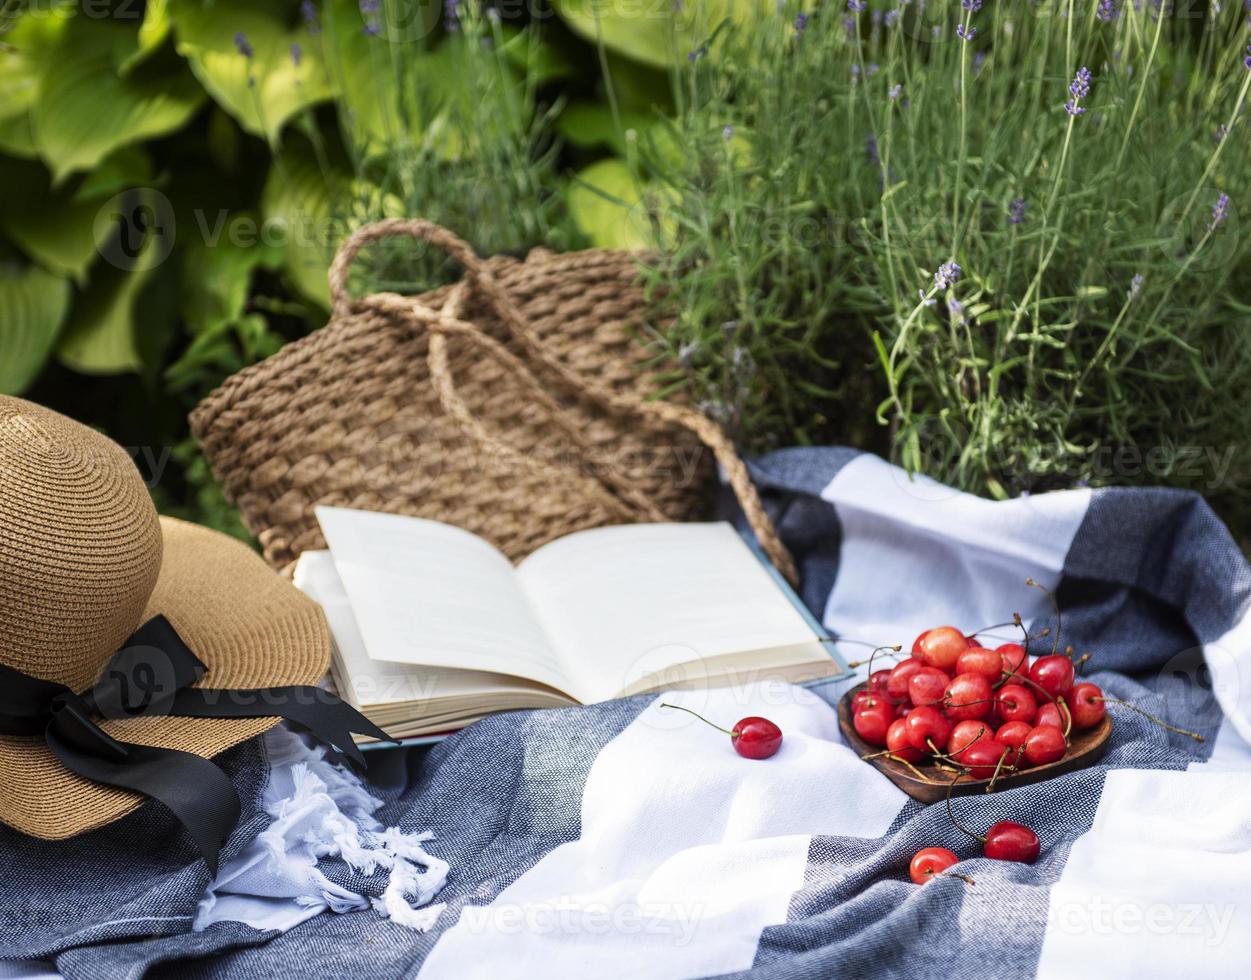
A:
753,737
930,862
1004,840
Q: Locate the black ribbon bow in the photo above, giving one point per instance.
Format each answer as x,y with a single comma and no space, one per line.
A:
152,676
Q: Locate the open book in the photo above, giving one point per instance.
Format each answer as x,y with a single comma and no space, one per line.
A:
434,628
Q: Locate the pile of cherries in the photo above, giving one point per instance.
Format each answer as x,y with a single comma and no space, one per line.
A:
990,711
980,713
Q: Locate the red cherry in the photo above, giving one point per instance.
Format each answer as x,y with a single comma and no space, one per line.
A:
865,699
872,723
877,681
1044,744
1053,673
926,686
930,861
942,646
967,696
1085,701
982,758
927,726
1015,660
756,738
1051,716
979,660
753,737
966,733
916,644
897,742
1011,841
1013,735
1016,703
897,684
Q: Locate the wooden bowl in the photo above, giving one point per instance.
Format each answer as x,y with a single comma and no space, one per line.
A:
1086,748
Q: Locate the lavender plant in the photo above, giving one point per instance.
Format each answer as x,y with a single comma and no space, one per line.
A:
998,241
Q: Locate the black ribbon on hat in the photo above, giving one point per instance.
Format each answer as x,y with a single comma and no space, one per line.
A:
152,676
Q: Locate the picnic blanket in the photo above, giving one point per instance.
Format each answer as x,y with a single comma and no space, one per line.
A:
620,839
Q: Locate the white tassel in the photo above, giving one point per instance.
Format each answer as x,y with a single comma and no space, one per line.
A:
321,810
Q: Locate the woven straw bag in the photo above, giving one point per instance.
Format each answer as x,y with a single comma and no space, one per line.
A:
517,404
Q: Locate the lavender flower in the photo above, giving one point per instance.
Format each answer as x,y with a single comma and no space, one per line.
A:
955,309
1016,211
244,48
973,5
1220,211
1246,60
965,33
891,18
369,10
1135,286
801,25
308,12
871,150
1107,11
1079,88
451,15
699,52
856,6
727,132
948,274
895,92
296,54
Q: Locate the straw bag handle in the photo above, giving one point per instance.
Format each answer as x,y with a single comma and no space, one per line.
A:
657,414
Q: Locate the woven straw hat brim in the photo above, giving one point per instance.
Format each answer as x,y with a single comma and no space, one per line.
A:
249,626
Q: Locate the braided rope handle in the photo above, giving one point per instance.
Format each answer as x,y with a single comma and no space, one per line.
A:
658,415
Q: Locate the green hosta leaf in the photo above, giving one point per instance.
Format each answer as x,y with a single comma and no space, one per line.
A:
655,33
607,206
58,227
101,337
534,56
33,303
217,268
122,170
25,51
85,111
589,124
153,30
263,91
17,139
296,205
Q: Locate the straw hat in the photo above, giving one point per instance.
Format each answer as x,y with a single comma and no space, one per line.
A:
84,561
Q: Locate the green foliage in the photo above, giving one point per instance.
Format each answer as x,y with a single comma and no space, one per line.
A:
803,270
175,176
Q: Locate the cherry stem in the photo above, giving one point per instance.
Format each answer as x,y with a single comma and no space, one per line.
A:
916,772
956,874
665,704
949,757
1055,643
894,650
1150,717
993,626
994,777
1063,708
951,814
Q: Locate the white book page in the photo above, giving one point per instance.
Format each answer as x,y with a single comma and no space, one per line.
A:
363,681
431,594
620,602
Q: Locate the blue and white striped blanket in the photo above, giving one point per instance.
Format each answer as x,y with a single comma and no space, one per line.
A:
619,840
